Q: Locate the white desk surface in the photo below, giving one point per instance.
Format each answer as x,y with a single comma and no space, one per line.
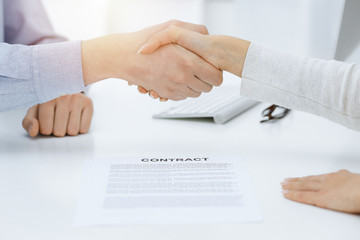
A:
40,178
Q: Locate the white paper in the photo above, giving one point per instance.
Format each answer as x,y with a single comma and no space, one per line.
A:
127,191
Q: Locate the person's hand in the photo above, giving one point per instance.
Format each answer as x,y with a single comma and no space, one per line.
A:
338,191
70,114
152,94
223,52
173,72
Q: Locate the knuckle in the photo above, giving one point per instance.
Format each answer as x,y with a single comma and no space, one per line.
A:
173,95
65,98
173,28
307,179
288,194
50,103
25,120
190,62
61,101
170,91
172,31
209,89
77,97
74,99
48,106
288,186
174,22
88,102
84,130
196,95
219,80
203,29
304,185
298,195
45,131
330,176
322,193
295,195
182,80
59,133
72,131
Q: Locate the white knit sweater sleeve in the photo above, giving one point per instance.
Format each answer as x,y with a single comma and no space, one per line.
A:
330,89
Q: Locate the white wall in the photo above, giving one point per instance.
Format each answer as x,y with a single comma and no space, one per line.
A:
132,15
78,19
307,27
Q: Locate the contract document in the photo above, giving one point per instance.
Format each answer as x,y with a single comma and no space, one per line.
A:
160,190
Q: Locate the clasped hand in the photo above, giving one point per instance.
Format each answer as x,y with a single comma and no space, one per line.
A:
185,36
182,72
172,71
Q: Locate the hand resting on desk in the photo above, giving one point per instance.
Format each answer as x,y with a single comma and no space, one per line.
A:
337,191
70,114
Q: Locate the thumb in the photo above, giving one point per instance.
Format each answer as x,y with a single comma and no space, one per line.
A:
172,34
30,122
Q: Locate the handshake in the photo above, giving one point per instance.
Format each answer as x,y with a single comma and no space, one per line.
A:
173,60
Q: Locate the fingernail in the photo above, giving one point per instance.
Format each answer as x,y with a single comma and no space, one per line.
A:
151,95
288,179
284,183
285,191
142,90
29,127
142,48
163,99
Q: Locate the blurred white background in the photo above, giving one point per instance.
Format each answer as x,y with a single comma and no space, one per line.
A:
304,27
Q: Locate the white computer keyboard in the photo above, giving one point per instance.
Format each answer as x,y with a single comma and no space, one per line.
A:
222,104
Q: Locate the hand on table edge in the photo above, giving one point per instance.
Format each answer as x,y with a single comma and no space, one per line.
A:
339,191
67,115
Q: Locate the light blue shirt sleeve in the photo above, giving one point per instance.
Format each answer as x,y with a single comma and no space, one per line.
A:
35,74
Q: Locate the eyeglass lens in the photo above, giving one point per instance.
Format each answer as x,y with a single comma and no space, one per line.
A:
274,112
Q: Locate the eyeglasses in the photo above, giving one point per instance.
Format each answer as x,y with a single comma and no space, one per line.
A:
273,113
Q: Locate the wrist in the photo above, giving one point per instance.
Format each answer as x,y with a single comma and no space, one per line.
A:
232,53
105,57
90,62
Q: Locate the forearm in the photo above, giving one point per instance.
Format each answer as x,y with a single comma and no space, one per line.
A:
102,60
329,89
115,55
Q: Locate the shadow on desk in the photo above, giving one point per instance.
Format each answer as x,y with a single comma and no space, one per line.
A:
83,144
14,139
